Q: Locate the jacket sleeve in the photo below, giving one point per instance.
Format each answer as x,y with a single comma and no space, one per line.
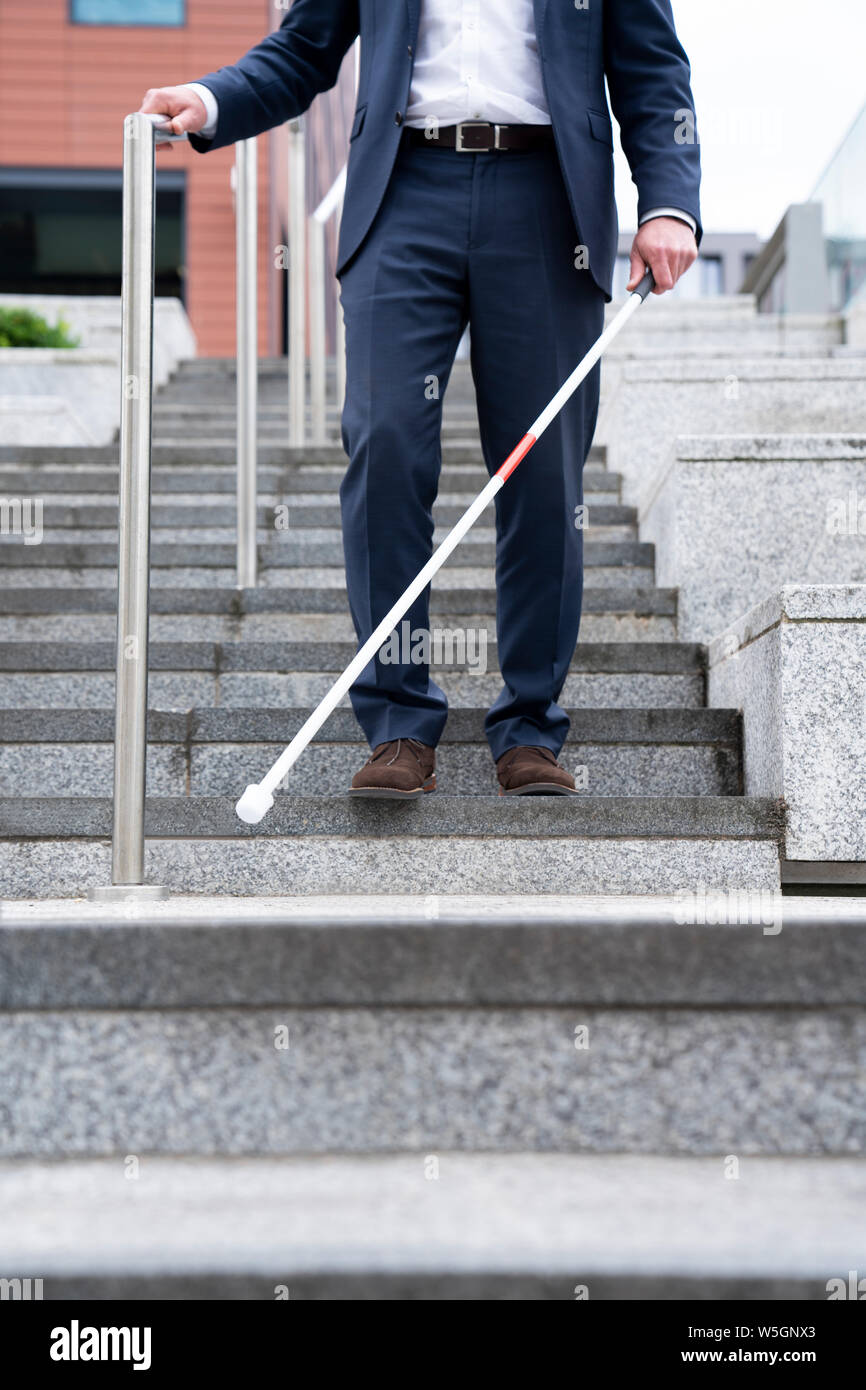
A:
649,80
278,79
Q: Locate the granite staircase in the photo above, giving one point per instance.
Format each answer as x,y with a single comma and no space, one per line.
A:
232,674
465,1047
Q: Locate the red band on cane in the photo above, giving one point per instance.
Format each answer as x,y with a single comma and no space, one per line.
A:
518,453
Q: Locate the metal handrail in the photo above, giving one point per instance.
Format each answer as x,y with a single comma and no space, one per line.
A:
331,204
307,235
140,136
246,215
297,284
307,295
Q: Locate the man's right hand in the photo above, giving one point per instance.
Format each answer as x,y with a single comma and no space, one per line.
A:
186,108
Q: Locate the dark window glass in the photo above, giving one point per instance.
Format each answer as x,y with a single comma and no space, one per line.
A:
61,232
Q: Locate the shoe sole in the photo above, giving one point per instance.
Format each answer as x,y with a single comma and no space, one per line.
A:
392,793
540,789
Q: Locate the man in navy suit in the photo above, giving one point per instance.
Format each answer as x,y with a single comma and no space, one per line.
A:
479,190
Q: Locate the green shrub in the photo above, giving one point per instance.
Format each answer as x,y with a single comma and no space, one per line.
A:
22,328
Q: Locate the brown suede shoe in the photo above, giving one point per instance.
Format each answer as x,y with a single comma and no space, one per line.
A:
532,771
403,768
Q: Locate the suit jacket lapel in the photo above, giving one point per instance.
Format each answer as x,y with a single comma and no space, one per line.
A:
414,9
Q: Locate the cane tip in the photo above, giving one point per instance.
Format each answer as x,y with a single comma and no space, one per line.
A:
254,804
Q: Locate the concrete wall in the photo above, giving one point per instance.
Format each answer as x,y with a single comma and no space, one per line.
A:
734,518
77,123
794,665
68,396
654,402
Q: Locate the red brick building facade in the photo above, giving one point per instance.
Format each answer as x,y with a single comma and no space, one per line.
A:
66,82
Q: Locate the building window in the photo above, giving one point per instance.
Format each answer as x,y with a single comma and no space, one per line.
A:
156,12
711,276
61,231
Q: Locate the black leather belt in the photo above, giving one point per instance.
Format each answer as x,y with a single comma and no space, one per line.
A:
474,137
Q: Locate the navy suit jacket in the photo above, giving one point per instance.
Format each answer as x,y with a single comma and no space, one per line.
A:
633,43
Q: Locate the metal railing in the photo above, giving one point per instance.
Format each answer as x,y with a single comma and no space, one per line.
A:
308,290
308,279
141,134
297,284
136,451
330,206
246,221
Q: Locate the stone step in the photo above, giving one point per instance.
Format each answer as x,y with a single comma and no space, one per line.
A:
197,397
296,627
422,1080
431,1067
715,727
130,1010
185,387
208,415
210,752
219,508
301,579
324,544
179,413
302,514
173,424
435,816
195,374
171,489
182,506
239,674
181,690
195,368
184,395
300,460
620,600
85,769
462,436
658,658
444,951
461,462
474,1226
294,551
336,845
600,488
173,437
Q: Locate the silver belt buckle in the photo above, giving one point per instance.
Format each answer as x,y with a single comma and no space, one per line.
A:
473,149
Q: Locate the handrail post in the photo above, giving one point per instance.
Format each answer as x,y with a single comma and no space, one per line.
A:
318,309
330,206
247,359
297,308
133,563
339,340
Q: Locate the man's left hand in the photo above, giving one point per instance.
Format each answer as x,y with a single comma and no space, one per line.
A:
669,247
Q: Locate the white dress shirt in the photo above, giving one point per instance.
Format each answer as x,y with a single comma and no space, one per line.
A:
474,61
477,62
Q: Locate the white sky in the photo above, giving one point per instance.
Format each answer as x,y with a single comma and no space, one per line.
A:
777,83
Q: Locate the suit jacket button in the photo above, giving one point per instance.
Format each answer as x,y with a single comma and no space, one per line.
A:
398,118
409,50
